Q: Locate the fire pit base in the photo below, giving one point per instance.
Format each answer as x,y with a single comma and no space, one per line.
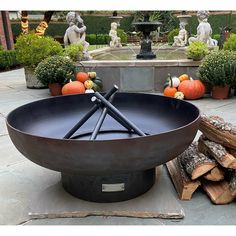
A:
109,188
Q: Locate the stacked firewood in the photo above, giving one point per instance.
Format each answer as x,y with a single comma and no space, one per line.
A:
209,163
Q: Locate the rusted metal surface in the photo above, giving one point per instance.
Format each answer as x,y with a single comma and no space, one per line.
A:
37,131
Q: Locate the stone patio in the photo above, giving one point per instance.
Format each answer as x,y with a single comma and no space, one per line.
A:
21,180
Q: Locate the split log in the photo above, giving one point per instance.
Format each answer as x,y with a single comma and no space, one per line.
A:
232,182
184,186
219,131
216,174
219,192
196,163
232,152
221,155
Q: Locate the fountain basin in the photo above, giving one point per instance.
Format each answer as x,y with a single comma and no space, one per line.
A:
139,75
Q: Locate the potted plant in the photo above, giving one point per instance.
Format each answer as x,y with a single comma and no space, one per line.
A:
197,50
31,50
55,72
218,72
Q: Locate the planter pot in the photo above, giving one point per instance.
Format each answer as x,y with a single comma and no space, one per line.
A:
197,58
31,80
55,89
219,92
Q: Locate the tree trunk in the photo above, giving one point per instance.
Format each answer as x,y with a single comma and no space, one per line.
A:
195,163
24,22
43,25
218,152
184,186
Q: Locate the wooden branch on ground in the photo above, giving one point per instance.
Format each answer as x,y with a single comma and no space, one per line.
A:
221,155
219,131
218,192
195,163
184,186
216,174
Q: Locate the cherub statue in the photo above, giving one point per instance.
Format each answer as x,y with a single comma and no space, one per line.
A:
182,38
75,33
115,40
204,30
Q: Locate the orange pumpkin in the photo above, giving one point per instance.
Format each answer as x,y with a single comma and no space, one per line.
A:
170,90
192,89
82,76
74,87
183,77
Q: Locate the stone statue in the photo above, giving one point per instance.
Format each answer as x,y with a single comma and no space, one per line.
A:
204,30
75,33
182,38
115,40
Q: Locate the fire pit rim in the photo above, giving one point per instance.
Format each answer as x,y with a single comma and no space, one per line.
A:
106,140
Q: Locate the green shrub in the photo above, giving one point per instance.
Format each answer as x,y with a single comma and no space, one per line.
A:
91,39
55,69
216,37
218,68
8,59
32,49
74,51
123,36
197,50
171,35
230,44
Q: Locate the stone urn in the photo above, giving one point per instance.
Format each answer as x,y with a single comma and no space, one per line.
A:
31,80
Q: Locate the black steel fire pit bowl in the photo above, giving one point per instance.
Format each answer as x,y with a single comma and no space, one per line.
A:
119,164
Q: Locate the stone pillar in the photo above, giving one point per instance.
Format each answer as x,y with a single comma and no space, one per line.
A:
6,36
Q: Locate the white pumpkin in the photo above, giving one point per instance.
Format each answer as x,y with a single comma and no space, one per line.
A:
179,95
89,91
175,82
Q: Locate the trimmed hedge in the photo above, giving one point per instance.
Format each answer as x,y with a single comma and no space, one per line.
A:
102,25
8,59
94,24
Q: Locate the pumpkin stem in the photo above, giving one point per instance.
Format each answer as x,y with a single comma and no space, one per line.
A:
170,78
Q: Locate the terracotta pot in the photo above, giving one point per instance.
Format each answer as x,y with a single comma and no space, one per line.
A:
55,89
219,92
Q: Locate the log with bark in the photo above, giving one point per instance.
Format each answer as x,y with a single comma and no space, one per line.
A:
196,163
217,151
184,186
219,131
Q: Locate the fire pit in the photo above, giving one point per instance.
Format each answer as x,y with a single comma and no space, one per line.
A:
104,158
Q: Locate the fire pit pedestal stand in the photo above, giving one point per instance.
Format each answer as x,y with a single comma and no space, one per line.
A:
109,188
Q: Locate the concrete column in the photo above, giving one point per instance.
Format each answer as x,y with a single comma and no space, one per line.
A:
6,36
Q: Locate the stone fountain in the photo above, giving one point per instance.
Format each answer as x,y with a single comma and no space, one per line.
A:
146,27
